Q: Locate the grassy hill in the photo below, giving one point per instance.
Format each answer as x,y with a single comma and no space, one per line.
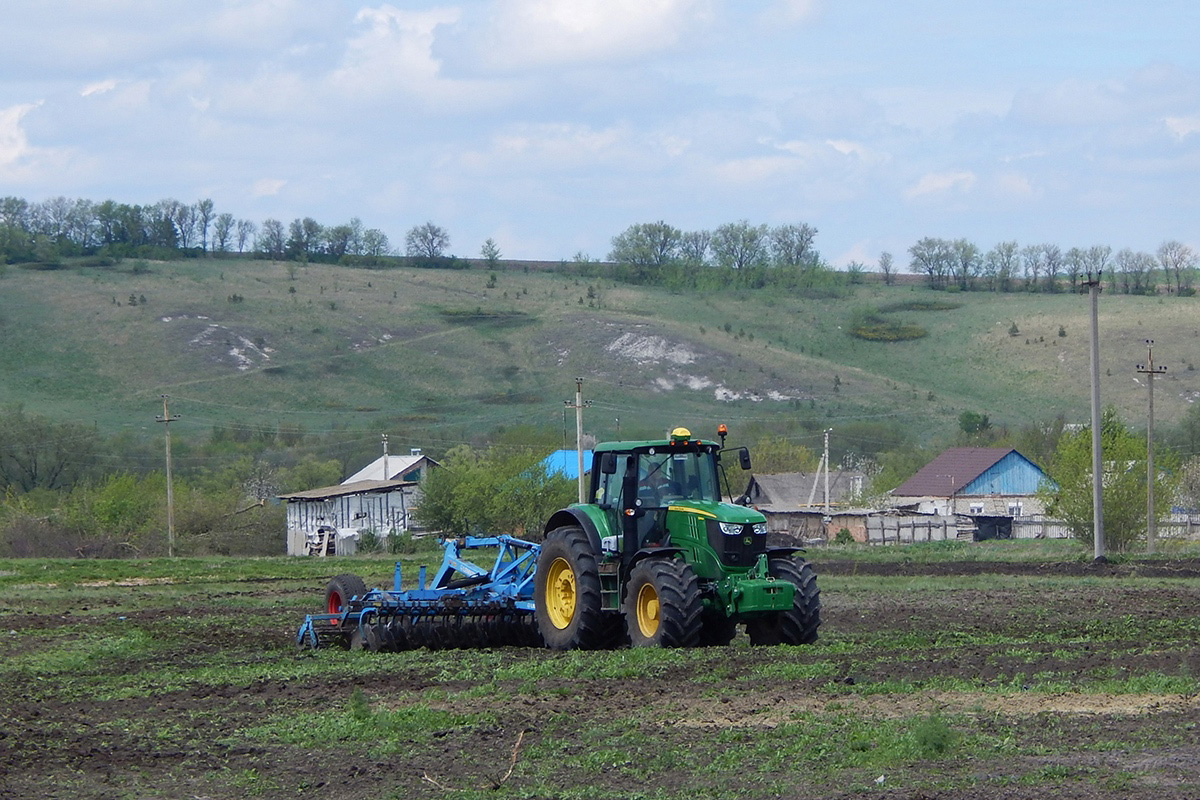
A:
443,355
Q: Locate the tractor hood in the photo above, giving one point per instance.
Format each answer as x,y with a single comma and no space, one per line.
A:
721,512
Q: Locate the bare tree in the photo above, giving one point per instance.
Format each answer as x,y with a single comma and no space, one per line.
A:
222,230
887,268
1052,260
1076,264
1001,264
245,230
204,215
426,241
1176,260
271,241
1097,259
1033,260
375,243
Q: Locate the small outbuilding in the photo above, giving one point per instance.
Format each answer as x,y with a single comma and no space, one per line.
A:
328,520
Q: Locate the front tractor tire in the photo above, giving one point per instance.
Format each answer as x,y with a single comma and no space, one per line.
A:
799,624
662,604
566,593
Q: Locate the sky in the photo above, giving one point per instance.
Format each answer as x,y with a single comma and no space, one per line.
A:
551,126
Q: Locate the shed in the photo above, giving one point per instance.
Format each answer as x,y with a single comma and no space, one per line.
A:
380,506
783,498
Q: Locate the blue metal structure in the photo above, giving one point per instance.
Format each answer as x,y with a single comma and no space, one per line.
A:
463,605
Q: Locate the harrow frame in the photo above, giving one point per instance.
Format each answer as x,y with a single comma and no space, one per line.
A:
483,606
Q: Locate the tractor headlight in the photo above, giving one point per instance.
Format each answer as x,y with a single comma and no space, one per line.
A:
760,528
731,528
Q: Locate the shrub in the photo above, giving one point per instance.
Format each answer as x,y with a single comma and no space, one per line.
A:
873,327
933,735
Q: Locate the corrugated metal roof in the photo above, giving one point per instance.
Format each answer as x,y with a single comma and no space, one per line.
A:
952,471
566,463
784,490
343,489
396,466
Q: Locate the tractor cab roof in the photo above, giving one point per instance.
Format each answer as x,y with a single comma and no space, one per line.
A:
681,438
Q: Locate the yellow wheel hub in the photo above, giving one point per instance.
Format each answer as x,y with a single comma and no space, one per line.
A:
647,610
560,593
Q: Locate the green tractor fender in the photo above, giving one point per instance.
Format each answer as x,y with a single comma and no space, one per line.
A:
654,552
588,518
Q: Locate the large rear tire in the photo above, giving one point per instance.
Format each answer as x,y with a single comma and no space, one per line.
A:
662,604
566,593
799,624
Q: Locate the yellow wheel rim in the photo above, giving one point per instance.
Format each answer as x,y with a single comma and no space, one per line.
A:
560,593
647,610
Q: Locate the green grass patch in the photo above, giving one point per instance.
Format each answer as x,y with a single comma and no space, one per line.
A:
378,729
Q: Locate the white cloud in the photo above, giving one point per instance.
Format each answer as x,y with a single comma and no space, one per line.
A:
757,169
100,87
543,32
791,11
1013,184
857,252
394,53
553,145
14,145
940,183
1182,127
267,187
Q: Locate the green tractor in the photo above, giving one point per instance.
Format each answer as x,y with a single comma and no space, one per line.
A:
655,558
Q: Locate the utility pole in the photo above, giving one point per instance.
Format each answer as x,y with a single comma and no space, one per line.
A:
166,419
1150,370
1097,466
826,460
579,406
386,475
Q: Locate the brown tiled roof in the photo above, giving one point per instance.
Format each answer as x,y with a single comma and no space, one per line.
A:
950,471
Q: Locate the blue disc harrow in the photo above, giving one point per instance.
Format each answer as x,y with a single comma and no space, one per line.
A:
463,605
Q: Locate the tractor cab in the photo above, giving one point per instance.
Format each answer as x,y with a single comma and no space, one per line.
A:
668,494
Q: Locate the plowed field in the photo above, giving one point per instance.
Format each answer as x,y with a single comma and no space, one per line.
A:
945,680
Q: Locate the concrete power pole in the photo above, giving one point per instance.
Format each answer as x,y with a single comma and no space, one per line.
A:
166,419
386,475
1097,465
825,458
579,406
1149,370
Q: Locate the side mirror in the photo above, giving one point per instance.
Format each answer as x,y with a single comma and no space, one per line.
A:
608,463
744,458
